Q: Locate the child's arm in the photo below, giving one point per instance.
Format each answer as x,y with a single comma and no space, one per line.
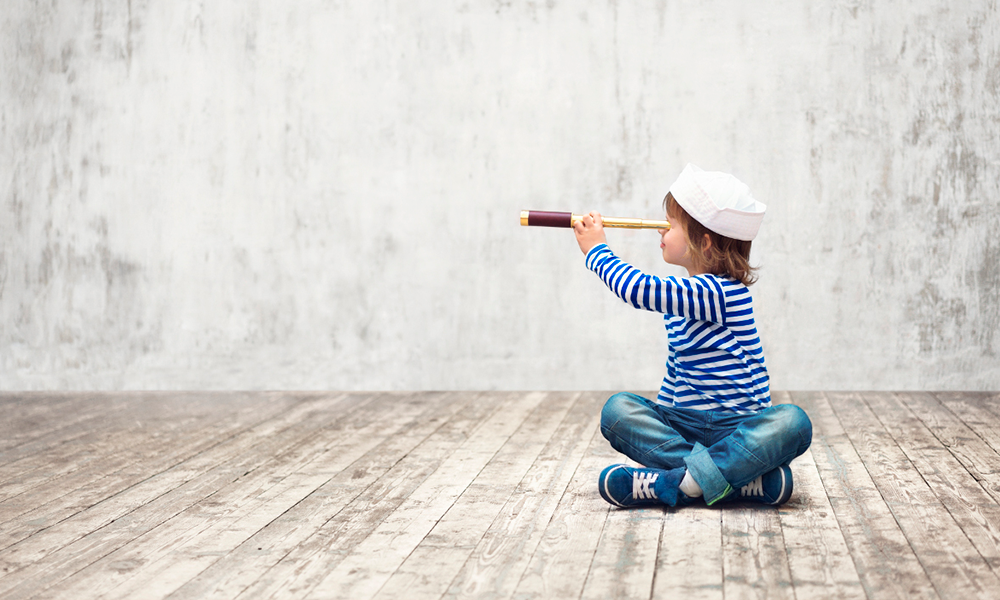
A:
700,298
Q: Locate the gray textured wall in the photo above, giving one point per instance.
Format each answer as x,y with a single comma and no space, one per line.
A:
324,194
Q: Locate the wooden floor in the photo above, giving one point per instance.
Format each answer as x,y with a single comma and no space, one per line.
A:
491,495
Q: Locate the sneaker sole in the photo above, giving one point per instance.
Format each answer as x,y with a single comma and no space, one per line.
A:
786,487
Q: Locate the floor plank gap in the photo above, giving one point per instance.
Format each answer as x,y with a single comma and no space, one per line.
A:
454,495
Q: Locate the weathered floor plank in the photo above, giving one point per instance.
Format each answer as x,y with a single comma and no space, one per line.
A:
561,561
754,559
239,510
689,562
168,433
978,458
497,563
886,564
624,562
973,509
374,561
820,564
475,495
954,566
374,483
117,520
348,509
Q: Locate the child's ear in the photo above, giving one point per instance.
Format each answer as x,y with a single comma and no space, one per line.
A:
706,245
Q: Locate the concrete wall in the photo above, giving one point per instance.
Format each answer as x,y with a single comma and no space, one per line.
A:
325,194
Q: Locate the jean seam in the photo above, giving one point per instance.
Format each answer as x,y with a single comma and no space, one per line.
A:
633,449
750,454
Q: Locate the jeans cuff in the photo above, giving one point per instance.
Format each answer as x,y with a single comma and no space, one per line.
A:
714,486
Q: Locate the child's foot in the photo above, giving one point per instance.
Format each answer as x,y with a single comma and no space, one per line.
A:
626,486
773,487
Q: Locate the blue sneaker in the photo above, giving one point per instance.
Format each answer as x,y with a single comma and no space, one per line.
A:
626,486
773,487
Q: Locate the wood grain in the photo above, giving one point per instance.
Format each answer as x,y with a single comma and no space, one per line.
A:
255,495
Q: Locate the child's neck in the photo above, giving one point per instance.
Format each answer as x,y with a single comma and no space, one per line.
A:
694,270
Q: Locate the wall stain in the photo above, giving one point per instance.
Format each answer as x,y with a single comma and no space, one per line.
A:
876,128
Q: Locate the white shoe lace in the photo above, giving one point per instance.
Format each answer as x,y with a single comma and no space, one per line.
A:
754,488
641,483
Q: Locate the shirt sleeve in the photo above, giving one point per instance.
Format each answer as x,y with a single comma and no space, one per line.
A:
700,297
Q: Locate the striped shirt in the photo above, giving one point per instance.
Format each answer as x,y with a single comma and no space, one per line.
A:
715,360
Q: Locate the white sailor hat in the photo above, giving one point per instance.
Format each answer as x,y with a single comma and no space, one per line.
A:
719,201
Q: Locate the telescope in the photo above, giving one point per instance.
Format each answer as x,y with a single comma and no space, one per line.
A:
542,218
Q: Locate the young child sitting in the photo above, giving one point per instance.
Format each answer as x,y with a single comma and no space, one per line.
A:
711,432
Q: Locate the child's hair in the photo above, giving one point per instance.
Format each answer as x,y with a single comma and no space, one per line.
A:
725,255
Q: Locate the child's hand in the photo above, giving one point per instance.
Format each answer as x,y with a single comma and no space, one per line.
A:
590,231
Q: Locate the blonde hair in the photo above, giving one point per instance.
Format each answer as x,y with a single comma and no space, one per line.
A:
723,256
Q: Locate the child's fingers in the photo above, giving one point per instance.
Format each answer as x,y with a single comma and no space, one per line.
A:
588,222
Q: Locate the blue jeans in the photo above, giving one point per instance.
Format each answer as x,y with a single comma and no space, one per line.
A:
722,451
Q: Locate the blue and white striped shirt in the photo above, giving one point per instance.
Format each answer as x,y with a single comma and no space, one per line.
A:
715,360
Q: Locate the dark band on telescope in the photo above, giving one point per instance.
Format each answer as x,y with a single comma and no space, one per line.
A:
542,218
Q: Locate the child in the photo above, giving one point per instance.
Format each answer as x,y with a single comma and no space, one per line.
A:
712,431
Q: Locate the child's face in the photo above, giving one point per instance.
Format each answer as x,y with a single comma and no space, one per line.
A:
674,244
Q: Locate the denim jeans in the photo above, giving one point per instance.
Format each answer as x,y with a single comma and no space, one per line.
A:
722,451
